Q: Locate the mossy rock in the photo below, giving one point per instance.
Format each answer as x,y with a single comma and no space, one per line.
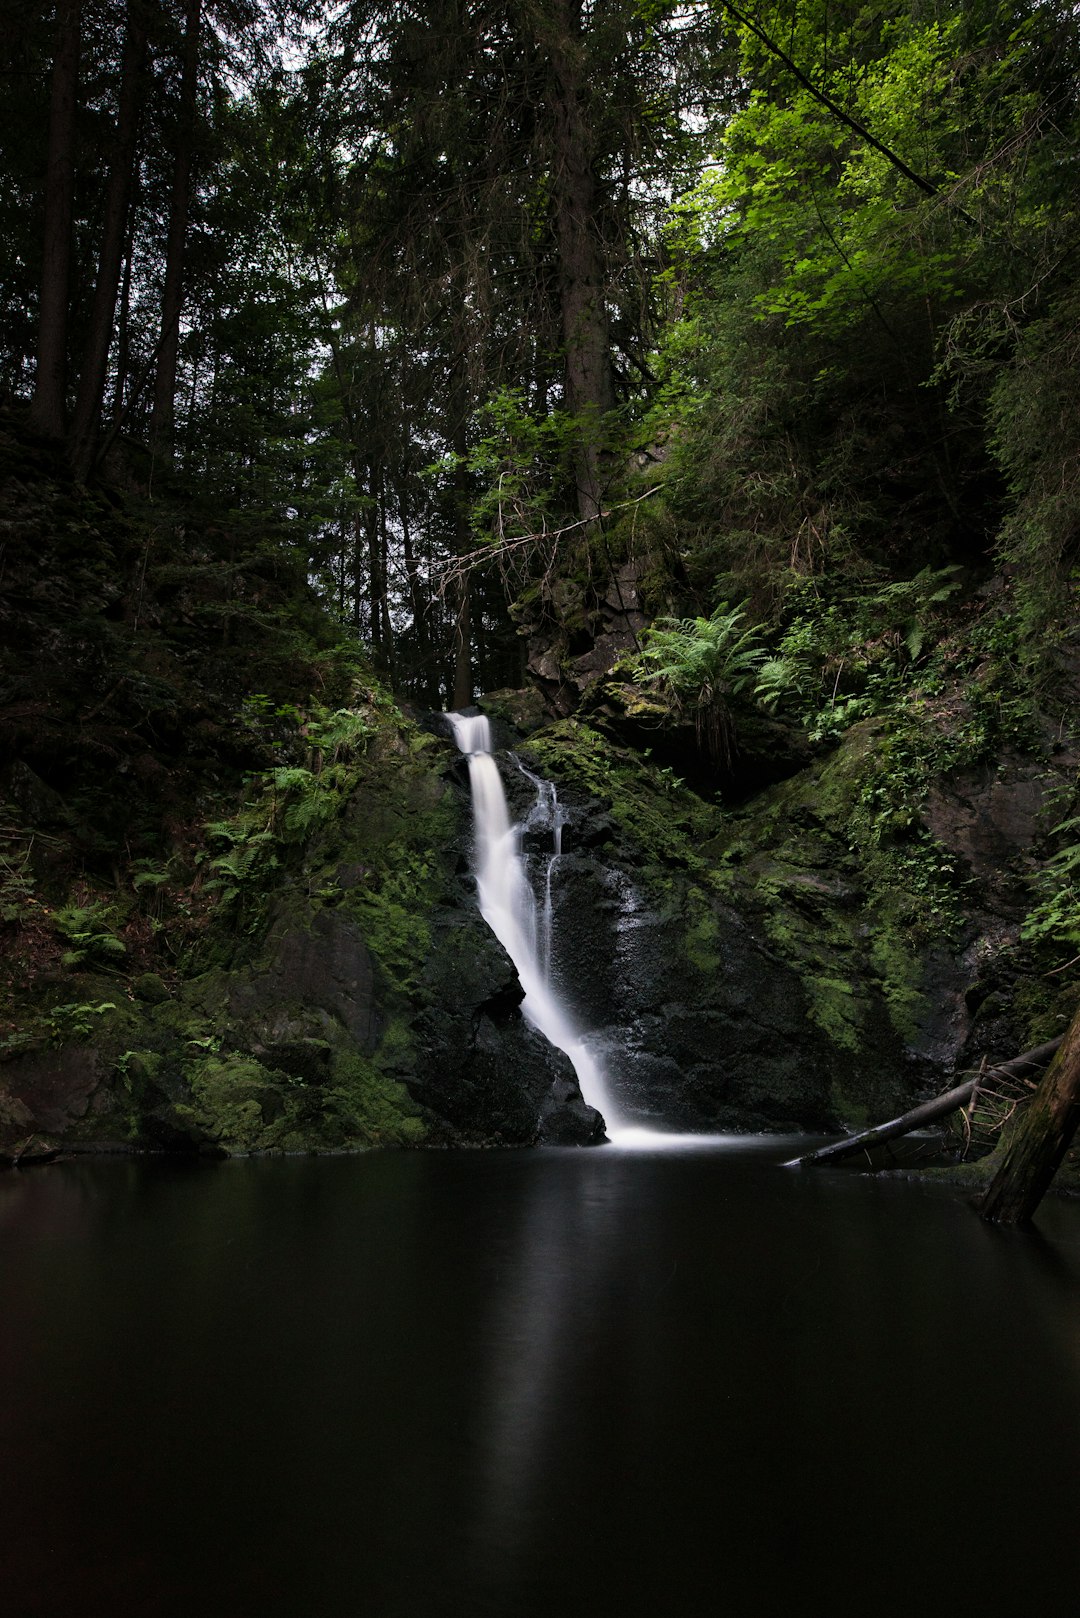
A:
150,988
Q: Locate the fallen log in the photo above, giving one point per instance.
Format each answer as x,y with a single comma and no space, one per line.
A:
930,1111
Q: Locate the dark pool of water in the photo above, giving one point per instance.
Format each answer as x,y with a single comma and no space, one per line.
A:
558,1382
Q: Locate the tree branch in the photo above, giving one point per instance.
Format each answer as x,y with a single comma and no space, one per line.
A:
927,187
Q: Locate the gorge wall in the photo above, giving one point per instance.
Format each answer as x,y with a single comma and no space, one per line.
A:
733,968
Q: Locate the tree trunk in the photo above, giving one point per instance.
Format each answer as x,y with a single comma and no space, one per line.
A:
462,643
50,381
462,590
416,600
1040,1140
123,325
172,297
590,391
389,649
371,518
91,394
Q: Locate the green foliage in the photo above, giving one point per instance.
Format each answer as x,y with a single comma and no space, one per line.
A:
845,654
286,805
915,877
698,663
341,734
17,881
1054,918
697,659
76,1019
521,464
86,929
853,350
1035,435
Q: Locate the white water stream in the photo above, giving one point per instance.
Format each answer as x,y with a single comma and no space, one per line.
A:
509,908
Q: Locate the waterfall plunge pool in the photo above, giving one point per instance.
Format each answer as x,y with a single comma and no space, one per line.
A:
531,1384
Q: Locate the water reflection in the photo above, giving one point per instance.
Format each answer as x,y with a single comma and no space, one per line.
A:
526,1383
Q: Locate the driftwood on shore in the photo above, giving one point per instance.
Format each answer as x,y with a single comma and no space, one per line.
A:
929,1112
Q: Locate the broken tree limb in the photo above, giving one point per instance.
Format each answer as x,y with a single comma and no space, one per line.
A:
930,1111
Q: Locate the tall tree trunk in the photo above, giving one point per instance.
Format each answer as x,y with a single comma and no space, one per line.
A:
123,325
375,571
461,588
91,394
416,599
359,547
389,649
1040,1140
590,390
463,691
172,297
50,382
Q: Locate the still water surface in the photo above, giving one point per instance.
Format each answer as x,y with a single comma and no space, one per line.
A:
555,1382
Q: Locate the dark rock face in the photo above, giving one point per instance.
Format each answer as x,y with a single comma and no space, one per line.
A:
598,622
480,1065
325,967
988,815
725,1043
49,1092
730,977
752,980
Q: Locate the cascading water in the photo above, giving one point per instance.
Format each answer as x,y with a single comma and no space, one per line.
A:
546,815
509,908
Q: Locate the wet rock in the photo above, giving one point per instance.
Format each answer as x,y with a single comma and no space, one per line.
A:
349,874
479,1064
566,1120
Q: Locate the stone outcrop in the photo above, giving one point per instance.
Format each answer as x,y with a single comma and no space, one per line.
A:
734,970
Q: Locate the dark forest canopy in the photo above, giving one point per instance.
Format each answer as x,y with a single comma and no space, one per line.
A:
427,294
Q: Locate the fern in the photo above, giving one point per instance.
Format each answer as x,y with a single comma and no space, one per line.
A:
310,809
86,928
290,777
343,732
698,663
1055,918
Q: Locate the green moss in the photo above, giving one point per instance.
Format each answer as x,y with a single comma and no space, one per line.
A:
702,932
371,1106
848,1112
901,973
396,1053
240,1106
395,924
398,828
232,1103
1045,1007
666,820
834,1007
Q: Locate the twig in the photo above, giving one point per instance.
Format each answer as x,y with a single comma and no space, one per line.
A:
969,1110
455,566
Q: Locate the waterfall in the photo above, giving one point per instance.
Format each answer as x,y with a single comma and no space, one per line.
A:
546,814
509,908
